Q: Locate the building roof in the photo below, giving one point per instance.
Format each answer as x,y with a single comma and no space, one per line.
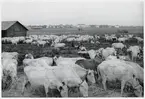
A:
8,24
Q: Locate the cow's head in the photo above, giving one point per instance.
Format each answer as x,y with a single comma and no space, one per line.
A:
56,57
29,56
84,88
63,89
125,46
90,76
138,90
52,43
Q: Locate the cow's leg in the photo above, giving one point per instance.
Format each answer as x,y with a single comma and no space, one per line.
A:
14,80
23,88
46,85
122,86
14,83
24,85
104,82
132,58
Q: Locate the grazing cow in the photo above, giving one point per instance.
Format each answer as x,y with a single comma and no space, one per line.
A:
139,69
38,76
118,45
89,63
122,39
82,48
39,42
58,45
92,53
134,50
69,74
88,75
118,70
84,74
43,61
84,54
99,52
139,39
9,67
65,60
10,55
108,51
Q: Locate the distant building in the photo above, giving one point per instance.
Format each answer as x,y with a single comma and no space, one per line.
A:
82,25
116,26
13,29
92,26
36,27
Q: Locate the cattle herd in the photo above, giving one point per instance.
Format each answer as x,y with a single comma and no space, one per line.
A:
117,62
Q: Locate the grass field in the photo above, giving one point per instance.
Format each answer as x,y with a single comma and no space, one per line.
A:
90,31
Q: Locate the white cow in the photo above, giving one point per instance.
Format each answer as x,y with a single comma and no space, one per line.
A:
139,39
116,69
58,45
42,61
108,51
42,76
10,55
135,50
118,45
9,67
122,39
85,74
92,53
39,42
65,60
70,76
139,69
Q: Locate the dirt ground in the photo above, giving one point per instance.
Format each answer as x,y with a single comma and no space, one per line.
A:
95,90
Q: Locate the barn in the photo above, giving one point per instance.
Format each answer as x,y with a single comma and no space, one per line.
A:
13,29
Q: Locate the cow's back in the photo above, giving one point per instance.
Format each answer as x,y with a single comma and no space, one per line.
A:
66,73
113,70
87,64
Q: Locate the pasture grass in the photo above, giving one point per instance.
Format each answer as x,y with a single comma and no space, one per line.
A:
87,30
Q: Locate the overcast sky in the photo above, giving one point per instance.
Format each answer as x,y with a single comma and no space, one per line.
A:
111,13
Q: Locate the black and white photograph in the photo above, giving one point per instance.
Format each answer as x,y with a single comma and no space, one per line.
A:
72,48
